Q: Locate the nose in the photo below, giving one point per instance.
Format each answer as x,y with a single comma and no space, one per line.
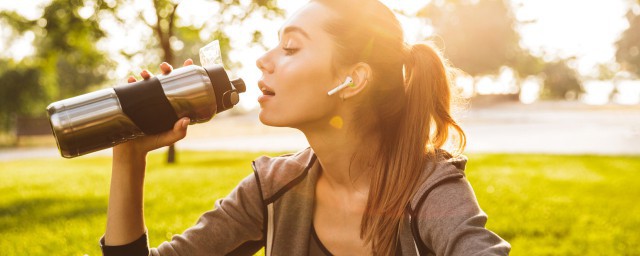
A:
264,63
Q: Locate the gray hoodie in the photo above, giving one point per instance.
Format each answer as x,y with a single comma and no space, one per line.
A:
273,208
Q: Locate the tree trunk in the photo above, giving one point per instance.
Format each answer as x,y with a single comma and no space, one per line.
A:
168,57
164,36
171,154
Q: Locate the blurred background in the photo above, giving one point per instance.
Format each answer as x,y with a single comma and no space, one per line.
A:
561,72
550,103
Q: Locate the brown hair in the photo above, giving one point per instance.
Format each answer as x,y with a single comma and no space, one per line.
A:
409,103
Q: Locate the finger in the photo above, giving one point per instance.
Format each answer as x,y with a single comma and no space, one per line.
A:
166,68
179,132
188,62
146,74
131,79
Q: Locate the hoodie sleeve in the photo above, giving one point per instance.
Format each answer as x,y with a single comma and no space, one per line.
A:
451,222
233,227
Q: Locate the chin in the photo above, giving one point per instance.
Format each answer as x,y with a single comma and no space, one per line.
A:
271,120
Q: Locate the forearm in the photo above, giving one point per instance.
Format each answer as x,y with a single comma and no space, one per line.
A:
125,218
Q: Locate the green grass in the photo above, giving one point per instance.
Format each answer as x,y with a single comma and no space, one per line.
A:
543,205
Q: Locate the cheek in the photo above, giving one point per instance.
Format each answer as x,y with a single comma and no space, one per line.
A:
306,77
302,94
302,99
305,100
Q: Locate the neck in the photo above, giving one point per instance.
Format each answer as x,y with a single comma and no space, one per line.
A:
344,154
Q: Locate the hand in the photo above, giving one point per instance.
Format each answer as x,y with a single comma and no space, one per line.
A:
144,144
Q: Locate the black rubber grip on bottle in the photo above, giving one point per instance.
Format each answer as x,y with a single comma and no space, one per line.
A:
145,103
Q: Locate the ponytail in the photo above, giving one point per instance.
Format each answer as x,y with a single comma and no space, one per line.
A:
423,128
429,98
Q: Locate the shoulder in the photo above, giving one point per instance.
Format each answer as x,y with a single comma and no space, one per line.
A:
445,168
274,174
449,218
444,187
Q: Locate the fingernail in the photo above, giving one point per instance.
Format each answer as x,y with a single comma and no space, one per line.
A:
185,123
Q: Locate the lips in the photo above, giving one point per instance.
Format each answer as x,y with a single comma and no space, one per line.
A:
267,92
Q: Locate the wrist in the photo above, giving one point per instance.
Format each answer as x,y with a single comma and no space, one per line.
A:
128,164
126,151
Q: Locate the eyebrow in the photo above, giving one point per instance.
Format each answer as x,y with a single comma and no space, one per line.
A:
295,29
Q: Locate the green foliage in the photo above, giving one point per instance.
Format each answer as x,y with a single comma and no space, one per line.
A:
17,21
67,49
628,47
167,29
527,65
542,204
190,37
66,61
19,92
479,36
606,71
560,81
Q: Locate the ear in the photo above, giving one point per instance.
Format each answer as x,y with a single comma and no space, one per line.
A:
361,73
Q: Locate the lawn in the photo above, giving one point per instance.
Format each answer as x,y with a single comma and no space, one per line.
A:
542,204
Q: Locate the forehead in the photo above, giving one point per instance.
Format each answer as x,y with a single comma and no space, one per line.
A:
309,19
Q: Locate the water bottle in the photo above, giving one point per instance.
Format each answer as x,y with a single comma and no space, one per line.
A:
105,118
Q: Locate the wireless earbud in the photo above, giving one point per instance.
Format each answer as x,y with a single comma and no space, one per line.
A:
347,82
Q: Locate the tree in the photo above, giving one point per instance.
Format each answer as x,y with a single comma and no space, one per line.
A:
66,60
479,36
527,64
561,81
165,30
628,46
19,92
169,31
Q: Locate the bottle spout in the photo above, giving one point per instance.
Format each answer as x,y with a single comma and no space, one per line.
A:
239,85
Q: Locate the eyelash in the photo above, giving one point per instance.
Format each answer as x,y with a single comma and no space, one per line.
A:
289,51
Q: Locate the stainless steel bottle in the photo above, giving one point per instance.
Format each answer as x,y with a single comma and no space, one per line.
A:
105,118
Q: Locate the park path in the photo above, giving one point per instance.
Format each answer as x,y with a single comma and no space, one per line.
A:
544,127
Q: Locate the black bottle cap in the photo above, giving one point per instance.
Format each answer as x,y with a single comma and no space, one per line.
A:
220,83
239,85
226,91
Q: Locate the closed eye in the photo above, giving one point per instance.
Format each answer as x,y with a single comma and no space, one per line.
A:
290,51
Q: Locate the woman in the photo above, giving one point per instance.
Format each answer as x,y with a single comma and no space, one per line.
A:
375,179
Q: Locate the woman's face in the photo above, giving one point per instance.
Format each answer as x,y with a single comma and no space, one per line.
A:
297,73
